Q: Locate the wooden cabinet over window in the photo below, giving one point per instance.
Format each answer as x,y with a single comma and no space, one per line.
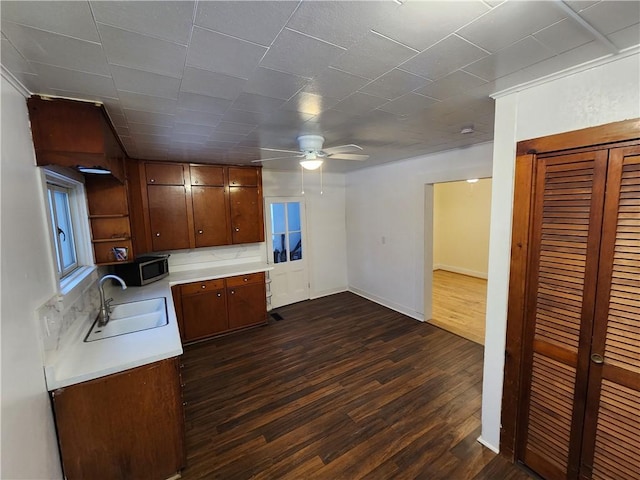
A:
212,307
192,205
572,371
74,134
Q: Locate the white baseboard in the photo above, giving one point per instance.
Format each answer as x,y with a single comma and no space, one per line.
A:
326,293
386,303
463,271
490,446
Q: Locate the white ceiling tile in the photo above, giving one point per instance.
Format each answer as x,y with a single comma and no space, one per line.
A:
240,116
224,54
520,55
211,84
12,60
237,128
420,24
146,129
169,20
147,103
148,83
134,116
510,22
564,35
444,57
612,15
251,102
627,37
203,103
455,83
309,103
299,54
83,83
272,83
142,52
73,19
44,47
257,22
394,84
362,66
225,137
408,104
335,83
285,119
197,118
189,138
117,119
359,103
579,5
339,23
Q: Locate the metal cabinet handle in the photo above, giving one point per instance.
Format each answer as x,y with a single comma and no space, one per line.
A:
219,295
237,229
203,286
246,279
233,292
153,180
597,358
200,232
157,234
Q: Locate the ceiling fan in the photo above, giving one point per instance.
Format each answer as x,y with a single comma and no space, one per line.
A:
312,155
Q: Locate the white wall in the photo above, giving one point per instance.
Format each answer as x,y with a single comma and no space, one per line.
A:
386,240
461,212
601,95
29,448
326,232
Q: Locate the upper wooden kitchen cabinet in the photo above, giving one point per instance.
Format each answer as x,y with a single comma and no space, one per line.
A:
194,205
74,134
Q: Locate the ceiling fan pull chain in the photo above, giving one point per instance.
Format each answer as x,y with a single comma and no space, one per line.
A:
321,192
302,178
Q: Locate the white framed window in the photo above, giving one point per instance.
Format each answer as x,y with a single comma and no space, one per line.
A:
69,228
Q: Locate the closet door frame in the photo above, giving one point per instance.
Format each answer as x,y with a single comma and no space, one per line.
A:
618,134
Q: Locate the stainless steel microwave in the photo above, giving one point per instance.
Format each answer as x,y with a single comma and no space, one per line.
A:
143,270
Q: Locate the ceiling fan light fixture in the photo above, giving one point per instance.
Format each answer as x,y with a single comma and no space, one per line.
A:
311,164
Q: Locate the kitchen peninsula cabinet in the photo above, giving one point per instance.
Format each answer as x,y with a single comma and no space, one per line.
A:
212,307
125,425
195,205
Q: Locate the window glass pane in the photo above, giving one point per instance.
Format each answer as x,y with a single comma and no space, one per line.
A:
55,227
293,212
295,245
277,218
64,230
279,247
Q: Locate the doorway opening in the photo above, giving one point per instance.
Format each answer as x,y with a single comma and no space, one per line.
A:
461,219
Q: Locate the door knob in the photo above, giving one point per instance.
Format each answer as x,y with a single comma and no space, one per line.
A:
597,358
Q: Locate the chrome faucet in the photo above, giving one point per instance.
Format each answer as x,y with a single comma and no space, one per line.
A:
105,308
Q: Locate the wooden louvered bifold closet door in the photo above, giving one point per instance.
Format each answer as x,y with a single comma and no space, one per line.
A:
611,448
566,226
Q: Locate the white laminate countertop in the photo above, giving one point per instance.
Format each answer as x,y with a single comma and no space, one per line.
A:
78,361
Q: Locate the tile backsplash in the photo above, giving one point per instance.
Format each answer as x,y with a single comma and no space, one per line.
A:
61,312
182,260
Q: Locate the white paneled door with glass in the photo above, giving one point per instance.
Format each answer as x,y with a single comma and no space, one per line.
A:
286,250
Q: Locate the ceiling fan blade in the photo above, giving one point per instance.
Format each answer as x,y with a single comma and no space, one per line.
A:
348,156
341,148
279,150
275,158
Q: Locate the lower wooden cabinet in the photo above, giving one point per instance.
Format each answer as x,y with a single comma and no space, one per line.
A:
212,307
126,425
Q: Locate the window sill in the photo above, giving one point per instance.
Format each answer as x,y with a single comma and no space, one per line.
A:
70,282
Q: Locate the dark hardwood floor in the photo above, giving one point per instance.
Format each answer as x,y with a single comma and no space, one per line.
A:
340,388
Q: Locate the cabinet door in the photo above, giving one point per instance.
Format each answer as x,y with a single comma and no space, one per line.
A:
164,174
566,225
204,314
210,216
168,217
244,177
247,225
207,175
611,447
126,425
247,305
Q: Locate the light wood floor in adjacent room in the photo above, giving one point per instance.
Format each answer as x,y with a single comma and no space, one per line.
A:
340,389
460,304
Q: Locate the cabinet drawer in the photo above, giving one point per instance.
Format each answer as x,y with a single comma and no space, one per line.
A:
169,174
207,175
245,279
200,287
247,177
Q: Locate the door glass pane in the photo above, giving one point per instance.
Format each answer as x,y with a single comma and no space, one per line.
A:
279,247
295,245
293,212
65,230
278,219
